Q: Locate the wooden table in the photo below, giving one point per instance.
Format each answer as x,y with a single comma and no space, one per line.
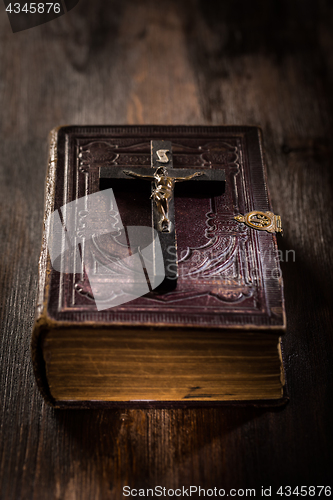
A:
172,62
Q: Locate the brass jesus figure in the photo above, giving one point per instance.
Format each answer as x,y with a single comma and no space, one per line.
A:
163,192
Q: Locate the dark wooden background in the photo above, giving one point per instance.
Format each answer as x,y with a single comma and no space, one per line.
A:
260,62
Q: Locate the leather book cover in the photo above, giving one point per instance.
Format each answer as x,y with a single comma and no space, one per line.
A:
229,277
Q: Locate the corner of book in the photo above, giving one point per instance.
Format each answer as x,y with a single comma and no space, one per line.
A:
56,130
39,331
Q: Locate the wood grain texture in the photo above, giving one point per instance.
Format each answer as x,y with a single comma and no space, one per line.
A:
171,62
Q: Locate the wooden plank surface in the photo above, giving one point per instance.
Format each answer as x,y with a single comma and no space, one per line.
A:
188,62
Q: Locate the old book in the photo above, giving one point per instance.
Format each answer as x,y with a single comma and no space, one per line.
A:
207,329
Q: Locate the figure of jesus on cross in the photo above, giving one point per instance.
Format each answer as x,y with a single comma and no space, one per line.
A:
163,191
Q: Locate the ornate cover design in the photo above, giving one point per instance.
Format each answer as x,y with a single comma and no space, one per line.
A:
229,274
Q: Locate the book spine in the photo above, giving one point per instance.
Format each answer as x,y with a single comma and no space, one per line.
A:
43,275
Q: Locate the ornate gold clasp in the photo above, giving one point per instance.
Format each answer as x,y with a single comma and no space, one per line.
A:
262,221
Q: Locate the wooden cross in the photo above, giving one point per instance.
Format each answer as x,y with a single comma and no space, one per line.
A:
163,178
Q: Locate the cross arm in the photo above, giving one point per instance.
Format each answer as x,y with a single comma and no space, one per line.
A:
207,174
138,176
116,172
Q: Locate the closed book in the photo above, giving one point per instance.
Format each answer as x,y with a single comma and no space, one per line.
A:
208,332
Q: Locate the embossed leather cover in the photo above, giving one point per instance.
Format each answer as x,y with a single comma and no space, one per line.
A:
229,274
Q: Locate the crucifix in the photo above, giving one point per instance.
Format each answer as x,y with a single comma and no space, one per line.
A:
163,178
